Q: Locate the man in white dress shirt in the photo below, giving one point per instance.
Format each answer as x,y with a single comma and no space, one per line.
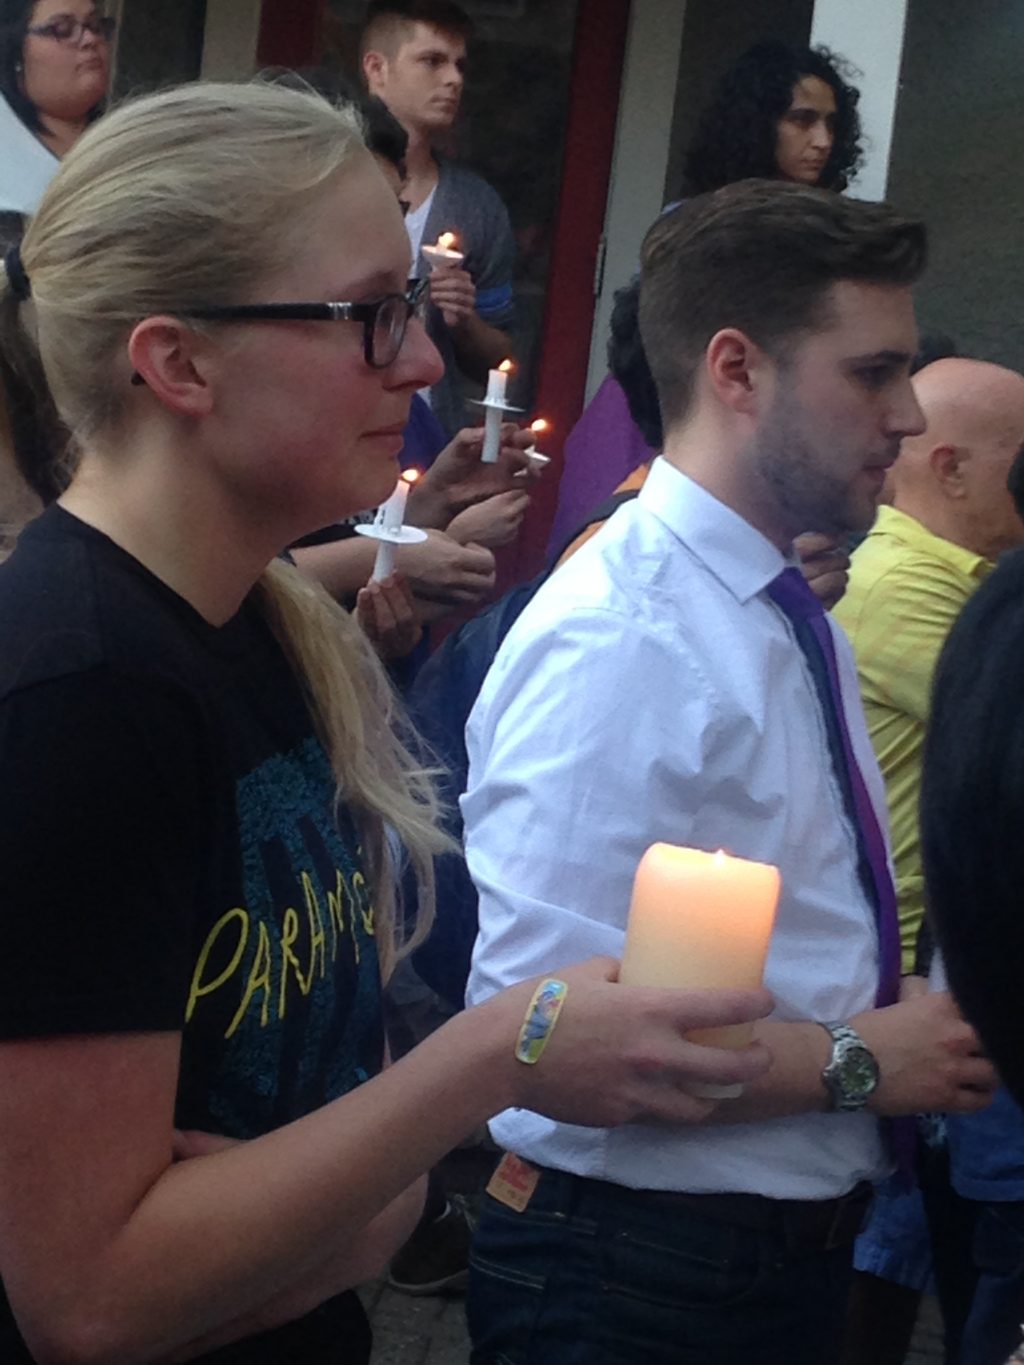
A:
653,690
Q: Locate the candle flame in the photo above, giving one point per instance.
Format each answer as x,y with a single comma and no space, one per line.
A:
507,366
539,426
447,241
720,857
410,475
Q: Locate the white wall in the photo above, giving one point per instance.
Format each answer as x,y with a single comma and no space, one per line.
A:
230,39
868,33
640,160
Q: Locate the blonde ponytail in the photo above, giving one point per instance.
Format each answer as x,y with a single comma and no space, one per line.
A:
362,726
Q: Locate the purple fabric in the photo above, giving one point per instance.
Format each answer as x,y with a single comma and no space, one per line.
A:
791,593
602,449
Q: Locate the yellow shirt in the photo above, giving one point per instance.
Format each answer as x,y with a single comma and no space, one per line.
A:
907,587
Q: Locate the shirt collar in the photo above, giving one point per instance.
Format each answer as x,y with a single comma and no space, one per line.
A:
738,555
892,522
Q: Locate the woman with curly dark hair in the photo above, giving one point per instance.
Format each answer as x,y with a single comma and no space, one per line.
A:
778,112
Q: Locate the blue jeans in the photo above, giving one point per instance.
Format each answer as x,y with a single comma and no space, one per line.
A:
593,1274
993,1327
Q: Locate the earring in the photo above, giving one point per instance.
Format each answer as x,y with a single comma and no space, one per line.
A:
19,67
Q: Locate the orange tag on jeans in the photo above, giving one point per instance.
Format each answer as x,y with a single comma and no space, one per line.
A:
514,1182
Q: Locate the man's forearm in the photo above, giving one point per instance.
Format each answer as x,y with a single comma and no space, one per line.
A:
792,1085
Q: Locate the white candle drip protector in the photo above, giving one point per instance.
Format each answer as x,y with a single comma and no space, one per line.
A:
388,530
384,564
537,459
443,252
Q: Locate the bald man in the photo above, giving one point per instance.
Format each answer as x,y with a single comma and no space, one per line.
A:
951,516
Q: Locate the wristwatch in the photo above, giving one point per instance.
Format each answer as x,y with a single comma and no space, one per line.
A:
851,1076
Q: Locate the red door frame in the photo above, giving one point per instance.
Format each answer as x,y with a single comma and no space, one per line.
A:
598,57
291,32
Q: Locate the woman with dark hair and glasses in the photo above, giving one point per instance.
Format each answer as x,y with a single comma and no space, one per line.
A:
54,73
206,798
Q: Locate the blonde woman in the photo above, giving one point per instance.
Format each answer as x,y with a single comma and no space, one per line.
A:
200,765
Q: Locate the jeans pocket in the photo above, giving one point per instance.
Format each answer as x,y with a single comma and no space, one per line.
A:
696,1266
533,1287
508,1271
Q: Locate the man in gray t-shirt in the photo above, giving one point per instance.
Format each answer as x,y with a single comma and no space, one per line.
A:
413,58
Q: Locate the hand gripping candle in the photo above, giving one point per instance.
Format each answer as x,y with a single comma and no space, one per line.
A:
701,921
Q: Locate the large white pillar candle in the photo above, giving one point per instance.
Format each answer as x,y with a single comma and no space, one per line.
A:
700,921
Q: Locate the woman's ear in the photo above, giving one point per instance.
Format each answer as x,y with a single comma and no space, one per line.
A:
174,363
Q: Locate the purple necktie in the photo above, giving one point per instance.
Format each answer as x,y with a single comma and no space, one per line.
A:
792,595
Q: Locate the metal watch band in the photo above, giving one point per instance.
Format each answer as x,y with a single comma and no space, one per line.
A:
851,1075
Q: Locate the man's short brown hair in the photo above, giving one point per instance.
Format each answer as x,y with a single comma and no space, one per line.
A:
760,256
389,23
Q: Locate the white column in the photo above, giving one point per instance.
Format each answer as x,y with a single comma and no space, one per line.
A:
640,159
868,33
230,39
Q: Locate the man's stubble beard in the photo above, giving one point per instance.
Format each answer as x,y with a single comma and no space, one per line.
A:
806,493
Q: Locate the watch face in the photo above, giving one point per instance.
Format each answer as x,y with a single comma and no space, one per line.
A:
859,1072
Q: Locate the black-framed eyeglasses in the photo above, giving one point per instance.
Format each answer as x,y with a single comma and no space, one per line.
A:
384,320
67,29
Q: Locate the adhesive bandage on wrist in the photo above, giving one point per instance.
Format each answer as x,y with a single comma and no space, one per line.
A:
540,1019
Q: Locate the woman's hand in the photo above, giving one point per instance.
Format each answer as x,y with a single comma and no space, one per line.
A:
387,613
458,478
441,570
618,1054
494,522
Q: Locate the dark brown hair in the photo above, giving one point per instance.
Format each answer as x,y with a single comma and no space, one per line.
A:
389,23
760,256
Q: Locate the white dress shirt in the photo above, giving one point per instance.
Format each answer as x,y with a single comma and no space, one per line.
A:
652,691
26,166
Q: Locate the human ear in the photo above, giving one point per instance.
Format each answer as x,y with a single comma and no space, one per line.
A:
737,370
375,67
174,364
947,464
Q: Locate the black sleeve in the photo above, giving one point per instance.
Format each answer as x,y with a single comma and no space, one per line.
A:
101,818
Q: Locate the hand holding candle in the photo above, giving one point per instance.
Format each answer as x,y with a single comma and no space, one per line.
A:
698,921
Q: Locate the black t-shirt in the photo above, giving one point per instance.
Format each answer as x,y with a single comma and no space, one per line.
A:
172,859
